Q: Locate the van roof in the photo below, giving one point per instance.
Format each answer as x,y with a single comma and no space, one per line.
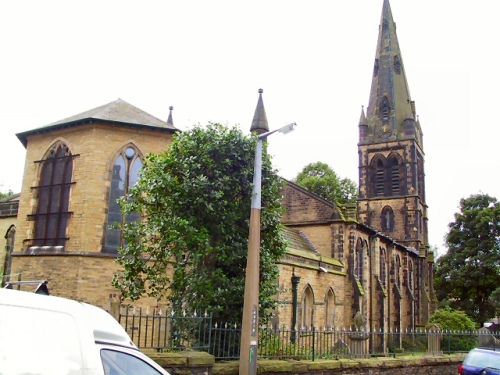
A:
104,327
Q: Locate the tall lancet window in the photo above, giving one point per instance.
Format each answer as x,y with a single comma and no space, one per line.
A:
384,110
358,261
379,179
307,308
383,267
387,219
53,191
397,271
330,309
394,177
397,64
125,174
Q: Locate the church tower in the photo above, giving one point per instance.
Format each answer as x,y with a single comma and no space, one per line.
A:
391,154
391,159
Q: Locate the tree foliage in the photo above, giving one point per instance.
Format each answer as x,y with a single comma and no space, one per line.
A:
452,319
6,194
192,240
469,272
321,179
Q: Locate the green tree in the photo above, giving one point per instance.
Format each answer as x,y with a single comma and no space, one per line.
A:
469,272
452,319
321,179
6,194
192,240
457,327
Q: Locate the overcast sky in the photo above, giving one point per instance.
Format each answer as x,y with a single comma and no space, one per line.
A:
314,60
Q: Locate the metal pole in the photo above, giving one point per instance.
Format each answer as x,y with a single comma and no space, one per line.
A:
250,324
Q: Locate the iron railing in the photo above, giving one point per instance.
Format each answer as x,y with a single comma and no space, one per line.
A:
177,331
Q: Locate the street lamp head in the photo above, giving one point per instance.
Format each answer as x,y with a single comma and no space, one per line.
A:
288,128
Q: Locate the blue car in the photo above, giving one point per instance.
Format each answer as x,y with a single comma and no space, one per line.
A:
481,361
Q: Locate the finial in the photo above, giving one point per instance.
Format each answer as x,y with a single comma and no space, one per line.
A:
170,119
261,91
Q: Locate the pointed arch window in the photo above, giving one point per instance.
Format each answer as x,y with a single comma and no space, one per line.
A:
421,176
307,308
387,219
330,309
395,177
124,175
379,179
397,271
410,276
385,110
9,248
397,64
53,192
358,261
383,267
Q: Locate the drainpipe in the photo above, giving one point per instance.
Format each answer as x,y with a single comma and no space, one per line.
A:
295,284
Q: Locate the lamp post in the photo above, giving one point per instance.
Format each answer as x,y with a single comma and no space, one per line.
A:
250,323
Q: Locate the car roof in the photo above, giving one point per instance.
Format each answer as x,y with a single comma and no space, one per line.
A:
496,351
104,327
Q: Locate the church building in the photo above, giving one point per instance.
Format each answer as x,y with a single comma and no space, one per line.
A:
371,257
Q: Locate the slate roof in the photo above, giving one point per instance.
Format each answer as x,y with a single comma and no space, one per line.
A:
297,241
117,112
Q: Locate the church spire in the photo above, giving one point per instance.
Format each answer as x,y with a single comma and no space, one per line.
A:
170,120
259,122
390,114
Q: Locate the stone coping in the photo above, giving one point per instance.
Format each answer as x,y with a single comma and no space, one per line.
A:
201,360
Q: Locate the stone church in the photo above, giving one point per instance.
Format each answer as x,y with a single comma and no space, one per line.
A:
371,257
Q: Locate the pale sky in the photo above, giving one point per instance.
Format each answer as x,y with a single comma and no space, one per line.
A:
314,60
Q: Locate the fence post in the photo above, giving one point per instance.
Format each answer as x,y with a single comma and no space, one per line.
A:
114,306
434,336
313,342
487,339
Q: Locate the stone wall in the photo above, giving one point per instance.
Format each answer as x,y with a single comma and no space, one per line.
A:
202,363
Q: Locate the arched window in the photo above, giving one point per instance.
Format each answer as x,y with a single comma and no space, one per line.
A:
383,267
125,174
307,308
395,177
384,110
9,248
330,309
397,271
421,176
53,192
379,179
358,260
387,219
410,275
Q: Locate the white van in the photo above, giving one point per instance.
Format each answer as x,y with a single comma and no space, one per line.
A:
46,335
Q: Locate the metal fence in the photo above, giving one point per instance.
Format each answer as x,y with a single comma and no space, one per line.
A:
174,332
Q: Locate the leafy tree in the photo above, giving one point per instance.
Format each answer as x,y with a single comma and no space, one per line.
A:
452,319
192,240
6,194
321,179
457,328
470,270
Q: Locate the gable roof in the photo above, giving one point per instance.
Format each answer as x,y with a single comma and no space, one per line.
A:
293,200
117,112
